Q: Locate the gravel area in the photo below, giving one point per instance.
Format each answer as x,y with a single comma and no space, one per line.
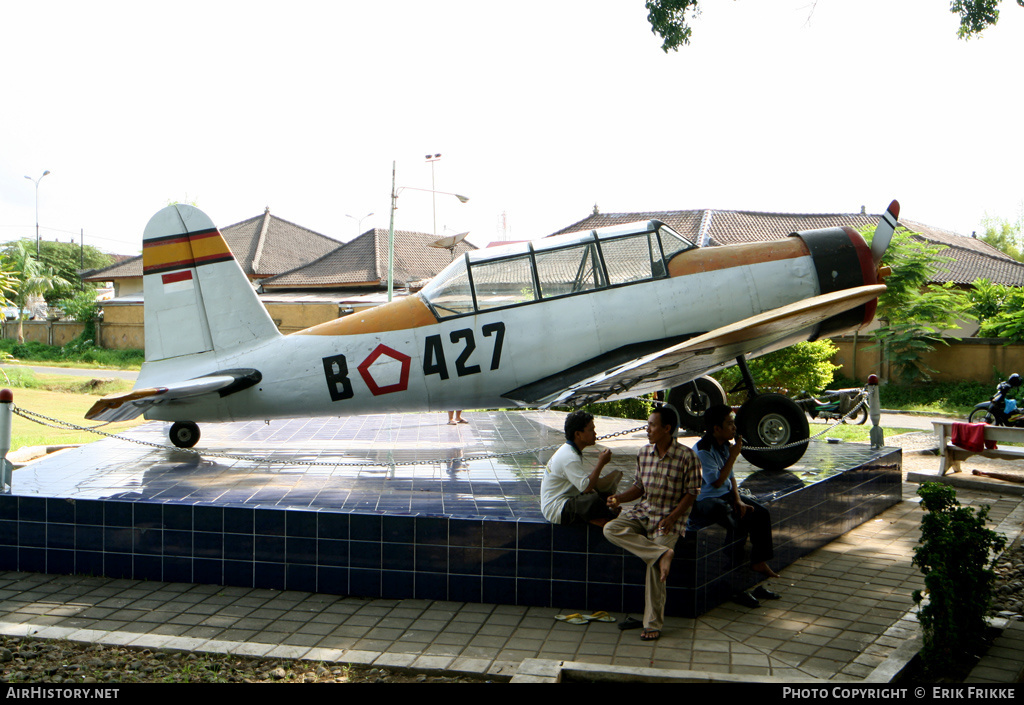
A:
24,660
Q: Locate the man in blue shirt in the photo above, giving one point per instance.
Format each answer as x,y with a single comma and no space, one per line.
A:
719,501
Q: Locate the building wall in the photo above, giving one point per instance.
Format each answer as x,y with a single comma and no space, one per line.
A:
970,359
46,332
121,328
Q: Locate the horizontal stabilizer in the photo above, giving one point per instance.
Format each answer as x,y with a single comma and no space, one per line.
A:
680,363
123,407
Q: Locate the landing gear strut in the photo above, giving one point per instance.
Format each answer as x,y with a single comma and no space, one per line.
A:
692,399
767,420
184,434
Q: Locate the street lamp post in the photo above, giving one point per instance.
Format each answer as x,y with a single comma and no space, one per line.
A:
36,182
391,230
359,227
433,158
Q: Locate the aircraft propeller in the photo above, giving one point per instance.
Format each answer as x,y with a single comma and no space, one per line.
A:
883,233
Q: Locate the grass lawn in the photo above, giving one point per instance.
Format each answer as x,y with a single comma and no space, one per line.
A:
57,405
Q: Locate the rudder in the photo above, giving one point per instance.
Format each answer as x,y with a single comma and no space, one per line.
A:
196,297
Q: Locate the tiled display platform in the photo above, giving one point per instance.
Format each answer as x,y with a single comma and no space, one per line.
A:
435,521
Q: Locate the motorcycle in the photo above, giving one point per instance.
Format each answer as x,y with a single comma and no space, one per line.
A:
1000,410
835,404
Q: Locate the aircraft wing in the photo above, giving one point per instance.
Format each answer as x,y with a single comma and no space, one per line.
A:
123,407
679,363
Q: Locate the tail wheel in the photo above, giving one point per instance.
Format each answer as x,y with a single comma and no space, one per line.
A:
184,434
692,399
981,415
772,420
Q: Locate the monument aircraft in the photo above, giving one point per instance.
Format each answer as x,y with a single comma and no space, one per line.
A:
563,321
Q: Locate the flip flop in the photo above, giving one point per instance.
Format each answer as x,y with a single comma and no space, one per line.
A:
630,623
650,634
601,616
576,618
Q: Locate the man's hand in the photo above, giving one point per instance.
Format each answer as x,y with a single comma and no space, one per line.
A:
612,501
742,508
664,526
737,446
603,457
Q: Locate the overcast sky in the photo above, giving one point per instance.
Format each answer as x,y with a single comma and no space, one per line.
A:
540,108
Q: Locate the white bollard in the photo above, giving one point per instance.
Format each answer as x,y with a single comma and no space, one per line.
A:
875,413
6,469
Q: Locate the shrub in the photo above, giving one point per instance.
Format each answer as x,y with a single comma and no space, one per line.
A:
804,366
955,554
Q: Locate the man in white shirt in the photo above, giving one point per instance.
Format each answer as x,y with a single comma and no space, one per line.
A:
569,494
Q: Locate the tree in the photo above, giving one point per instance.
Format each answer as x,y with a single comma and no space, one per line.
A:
32,277
914,311
1005,236
670,19
66,259
805,366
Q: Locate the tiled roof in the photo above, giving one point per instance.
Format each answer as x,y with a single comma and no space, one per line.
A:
972,258
264,246
364,260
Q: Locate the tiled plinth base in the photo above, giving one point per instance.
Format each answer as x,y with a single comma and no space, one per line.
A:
440,524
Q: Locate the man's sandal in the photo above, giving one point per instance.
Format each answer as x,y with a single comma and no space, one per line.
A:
650,634
576,618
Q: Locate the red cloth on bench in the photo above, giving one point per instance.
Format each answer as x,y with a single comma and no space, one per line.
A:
971,436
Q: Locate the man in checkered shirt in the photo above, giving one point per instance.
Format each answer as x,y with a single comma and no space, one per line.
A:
667,484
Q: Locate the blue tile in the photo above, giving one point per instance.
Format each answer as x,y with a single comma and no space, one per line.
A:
270,522
208,518
431,586
365,527
465,588
499,590
9,507
397,556
60,562
499,534
398,529
365,554
397,584
239,573
301,524
332,525
178,517
331,580
432,559
239,547
145,567
119,565
301,578
239,520
269,549
301,550
365,583
8,532
269,575
207,545
89,562
60,510
89,512
32,509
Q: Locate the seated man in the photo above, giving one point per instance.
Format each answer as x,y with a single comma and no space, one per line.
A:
568,493
719,501
667,482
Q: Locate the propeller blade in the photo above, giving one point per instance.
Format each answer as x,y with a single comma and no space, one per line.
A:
884,231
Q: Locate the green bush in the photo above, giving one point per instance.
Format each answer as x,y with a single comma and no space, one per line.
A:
955,553
622,409
804,366
80,351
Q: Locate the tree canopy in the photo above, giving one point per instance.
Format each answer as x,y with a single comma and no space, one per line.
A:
670,19
65,259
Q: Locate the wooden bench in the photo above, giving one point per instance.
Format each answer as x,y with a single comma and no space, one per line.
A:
952,455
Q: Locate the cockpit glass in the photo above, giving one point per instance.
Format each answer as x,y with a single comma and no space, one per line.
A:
504,282
449,293
569,270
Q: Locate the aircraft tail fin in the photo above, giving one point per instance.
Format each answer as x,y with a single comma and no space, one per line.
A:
197,298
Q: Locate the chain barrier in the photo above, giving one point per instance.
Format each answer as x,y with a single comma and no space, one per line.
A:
259,459
842,419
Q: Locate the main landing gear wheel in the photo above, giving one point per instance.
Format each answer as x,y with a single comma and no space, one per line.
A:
184,434
692,399
772,420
